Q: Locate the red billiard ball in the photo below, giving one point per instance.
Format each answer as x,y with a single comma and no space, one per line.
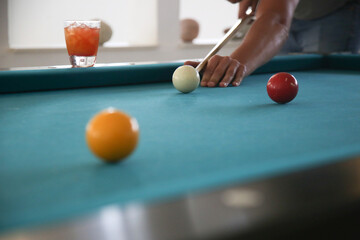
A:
282,87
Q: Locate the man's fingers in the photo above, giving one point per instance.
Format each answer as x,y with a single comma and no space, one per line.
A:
210,68
230,74
220,71
239,76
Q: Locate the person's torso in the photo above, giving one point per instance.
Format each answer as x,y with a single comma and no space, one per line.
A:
311,9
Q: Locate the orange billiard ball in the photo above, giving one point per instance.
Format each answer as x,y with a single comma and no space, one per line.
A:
112,135
282,87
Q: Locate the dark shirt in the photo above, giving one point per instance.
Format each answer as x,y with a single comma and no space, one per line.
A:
312,9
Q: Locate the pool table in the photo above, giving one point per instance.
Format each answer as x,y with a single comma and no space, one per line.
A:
217,163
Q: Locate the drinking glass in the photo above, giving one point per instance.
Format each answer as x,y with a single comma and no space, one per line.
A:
82,41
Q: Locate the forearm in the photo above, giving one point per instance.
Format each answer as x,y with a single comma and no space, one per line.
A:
262,42
267,34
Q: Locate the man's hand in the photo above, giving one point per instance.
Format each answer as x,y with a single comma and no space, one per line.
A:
221,71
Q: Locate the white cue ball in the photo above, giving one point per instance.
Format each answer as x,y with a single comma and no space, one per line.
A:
186,79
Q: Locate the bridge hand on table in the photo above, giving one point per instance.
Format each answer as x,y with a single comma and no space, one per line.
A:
221,71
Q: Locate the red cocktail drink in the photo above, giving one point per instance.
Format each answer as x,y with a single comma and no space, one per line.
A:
82,41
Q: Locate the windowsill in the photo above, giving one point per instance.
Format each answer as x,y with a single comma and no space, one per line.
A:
208,43
198,43
97,65
63,47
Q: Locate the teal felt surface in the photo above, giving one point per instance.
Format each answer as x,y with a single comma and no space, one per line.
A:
188,142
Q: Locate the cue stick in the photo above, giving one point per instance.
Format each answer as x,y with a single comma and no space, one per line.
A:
241,23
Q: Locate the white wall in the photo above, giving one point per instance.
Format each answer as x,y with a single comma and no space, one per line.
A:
169,46
130,24
3,32
213,16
